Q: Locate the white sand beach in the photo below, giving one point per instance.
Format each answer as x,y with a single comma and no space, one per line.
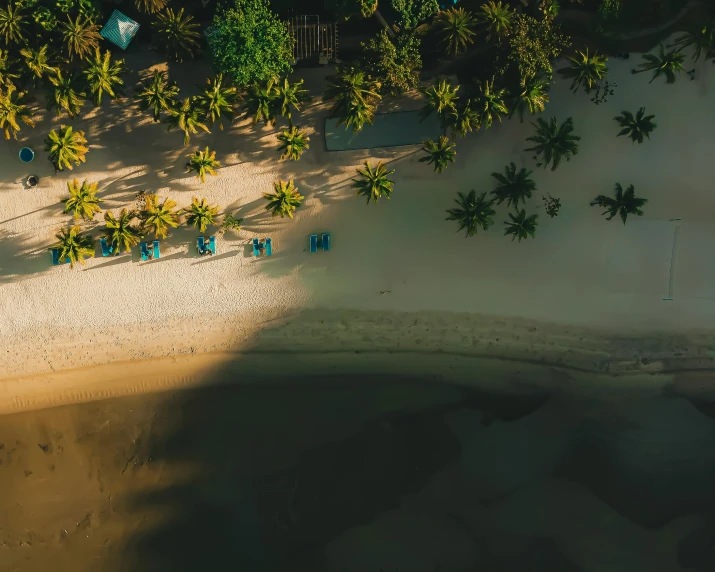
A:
585,293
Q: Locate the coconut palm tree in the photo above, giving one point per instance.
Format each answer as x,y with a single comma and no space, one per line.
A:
178,34
464,119
521,226
157,94
82,202
12,111
513,186
200,214
104,76
80,38
456,29
532,96
13,24
159,217
666,63
374,183
65,93
73,244
8,75
284,200
472,212
635,126
586,70
217,99
553,141
625,203
121,232
489,103
441,99
187,117
150,6
354,96
66,146
700,35
203,162
293,142
495,19
258,102
439,154
289,97
37,63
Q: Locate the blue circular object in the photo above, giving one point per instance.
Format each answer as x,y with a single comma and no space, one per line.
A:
26,154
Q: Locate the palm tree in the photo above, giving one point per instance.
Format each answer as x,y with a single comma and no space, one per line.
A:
37,63
472,212
203,162
66,146
258,102
532,96
12,110
65,93
699,35
663,64
441,99
464,119
495,19
293,142
489,103
513,186
12,24
624,204
187,117
635,127
200,214
439,154
217,99
156,94
586,70
159,217
374,183
521,226
354,96
284,200
456,28
104,76
73,244
8,74
120,232
290,97
150,6
554,142
178,34
82,202
81,37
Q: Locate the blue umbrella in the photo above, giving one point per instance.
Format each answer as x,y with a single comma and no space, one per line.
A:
26,154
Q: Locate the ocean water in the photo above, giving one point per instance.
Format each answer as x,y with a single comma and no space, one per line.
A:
361,474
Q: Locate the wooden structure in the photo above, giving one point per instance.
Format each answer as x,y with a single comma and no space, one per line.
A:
314,40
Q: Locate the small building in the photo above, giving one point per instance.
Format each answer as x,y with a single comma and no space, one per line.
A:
119,29
314,40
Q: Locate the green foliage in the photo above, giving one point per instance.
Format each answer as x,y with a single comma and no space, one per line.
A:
186,116
456,29
200,214
157,94
159,217
37,63
82,202
44,18
13,110
8,65
150,6
373,183
289,97
354,96
472,212
531,96
104,76
585,70
284,200
513,187
73,244
178,35
441,99
439,154
250,43
394,64
624,203
553,141
464,118
293,142
346,9
66,146
13,24
121,232
217,99
80,37
231,223
259,102
609,16
700,35
665,63
534,44
203,162
495,19
65,93
489,103
635,126
521,226
412,13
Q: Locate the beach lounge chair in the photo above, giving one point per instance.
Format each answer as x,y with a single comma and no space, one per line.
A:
56,257
314,243
212,244
106,248
325,241
256,247
157,252
146,255
269,247
201,245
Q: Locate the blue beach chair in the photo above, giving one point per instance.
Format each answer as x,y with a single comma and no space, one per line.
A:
256,247
106,248
157,252
325,241
212,244
146,253
201,245
269,247
314,243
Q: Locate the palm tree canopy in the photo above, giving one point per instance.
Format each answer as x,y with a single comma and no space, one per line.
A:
13,24
38,62
456,29
74,244
217,99
354,96
82,202
553,141
157,94
284,200
293,142
441,99
12,111
521,226
121,232
159,217
439,154
495,19
373,183
586,70
259,103
66,146
290,97
150,6
700,35
200,214
8,74
203,162
65,93
624,203
513,186
81,37
187,117
489,103
665,63
104,76
472,212
532,96
635,126
464,119
178,34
